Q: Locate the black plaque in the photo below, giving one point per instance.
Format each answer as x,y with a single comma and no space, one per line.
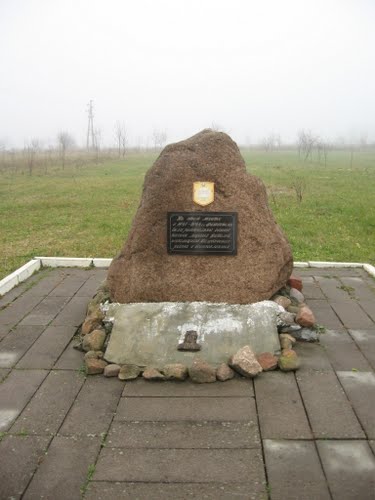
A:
202,233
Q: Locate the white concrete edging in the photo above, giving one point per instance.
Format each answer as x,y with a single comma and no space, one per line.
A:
24,272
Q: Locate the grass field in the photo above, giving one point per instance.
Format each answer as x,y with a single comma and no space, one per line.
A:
87,211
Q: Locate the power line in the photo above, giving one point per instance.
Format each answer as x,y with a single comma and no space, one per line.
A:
90,142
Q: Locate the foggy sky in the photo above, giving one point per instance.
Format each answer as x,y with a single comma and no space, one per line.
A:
251,67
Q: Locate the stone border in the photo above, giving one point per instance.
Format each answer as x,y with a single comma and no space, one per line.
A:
24,272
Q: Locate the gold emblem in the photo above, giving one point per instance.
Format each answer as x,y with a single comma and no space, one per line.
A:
203,193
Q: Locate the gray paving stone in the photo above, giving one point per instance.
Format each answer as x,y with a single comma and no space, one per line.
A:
4,330
352,315
50,404
199,434
19,458
360,389
101,490
350,469
188,409
280,408
70,359
313,356
15,311
372,445
343,352
45,282
17,343
64,471
328,409
333,289
147,465
12,295
311,289
91,286
294,471
73,313
3,373
15,393
44,312
47,348
68,287
324,314
365,340
330,271
235,387
369,307
94,408
361,289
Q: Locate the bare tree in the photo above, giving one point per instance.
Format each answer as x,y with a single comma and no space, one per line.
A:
271,142
159,138
31,151
121,138
65,142
306,142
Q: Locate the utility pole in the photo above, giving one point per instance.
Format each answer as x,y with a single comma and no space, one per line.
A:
90,142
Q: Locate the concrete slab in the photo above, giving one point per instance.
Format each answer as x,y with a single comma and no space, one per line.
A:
94,407
148,334
68,287
17,343
312,356
102,490
232,388
360,389
200,434
73,313
280,409
45,311
182,466
294,471
365,340
360,288
311,290
350,469
50,404
15,393
91,286
324,314
324,398
17,310
188,409
3,373
47,348
342,352
333,289
352,315
70,359
64,471
369,307
19,458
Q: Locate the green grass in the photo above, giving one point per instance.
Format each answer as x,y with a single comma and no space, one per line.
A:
87,211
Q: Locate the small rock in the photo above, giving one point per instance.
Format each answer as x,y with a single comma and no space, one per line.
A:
306,334
94,341
282,301
93,354
111,370
95,366
288,361
224,372
296,295
305,316
129,372
175,371
267,361
245,362
92,322
202,372
295,282
286,341
287,317
293,309
153,374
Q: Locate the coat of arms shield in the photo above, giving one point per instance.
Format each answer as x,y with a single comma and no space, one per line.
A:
203,193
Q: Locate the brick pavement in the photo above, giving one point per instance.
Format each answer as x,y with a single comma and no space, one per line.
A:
309,435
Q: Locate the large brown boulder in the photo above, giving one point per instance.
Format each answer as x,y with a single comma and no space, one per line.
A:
145,272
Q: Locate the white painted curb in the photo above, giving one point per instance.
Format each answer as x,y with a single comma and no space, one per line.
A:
35,264
19,275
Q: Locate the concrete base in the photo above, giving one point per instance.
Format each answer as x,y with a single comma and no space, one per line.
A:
148,334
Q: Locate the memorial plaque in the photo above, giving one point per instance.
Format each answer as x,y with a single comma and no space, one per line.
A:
202,233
